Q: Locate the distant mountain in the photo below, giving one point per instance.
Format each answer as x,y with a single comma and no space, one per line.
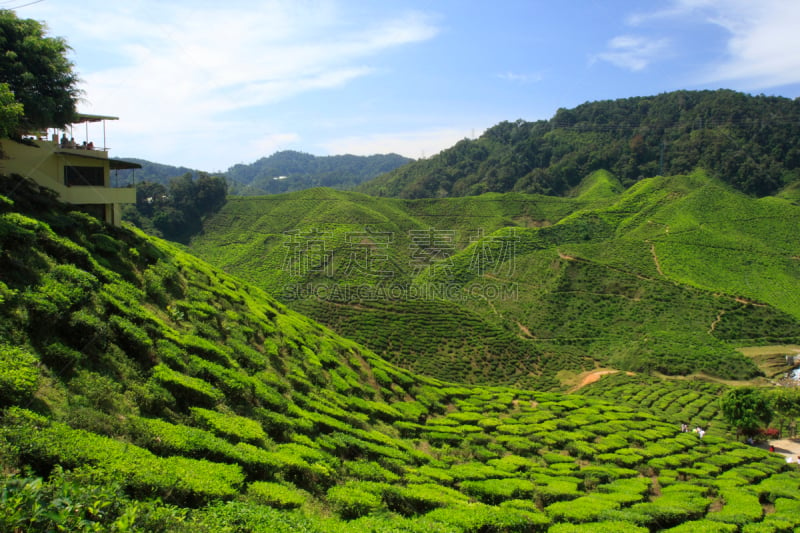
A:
747,141
284,171
288,171
151,172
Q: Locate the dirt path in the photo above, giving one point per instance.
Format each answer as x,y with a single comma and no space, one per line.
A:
525,330
590,378
655,258
715,322
789,448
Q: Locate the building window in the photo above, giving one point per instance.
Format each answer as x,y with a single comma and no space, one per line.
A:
84,176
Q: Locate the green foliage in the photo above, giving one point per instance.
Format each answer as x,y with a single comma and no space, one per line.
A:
37,71
67,501
477,517
421,498
11,111
186,388
230,426
19,374
608,526
741,507
299,171
633,138
349,501
498,490
243,415
746,409
584,509
641,280
276,495
177,210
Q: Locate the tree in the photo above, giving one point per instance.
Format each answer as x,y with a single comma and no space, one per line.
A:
747,409
37,72
786,405
10,111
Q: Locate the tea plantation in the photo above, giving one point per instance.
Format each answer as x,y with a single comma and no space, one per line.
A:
671,275
144,390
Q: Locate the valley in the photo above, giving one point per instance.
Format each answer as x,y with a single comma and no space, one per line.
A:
556,342
672,275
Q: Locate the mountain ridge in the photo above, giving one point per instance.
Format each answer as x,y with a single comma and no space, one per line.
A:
746,140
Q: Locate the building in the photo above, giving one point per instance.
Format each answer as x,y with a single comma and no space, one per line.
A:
79,173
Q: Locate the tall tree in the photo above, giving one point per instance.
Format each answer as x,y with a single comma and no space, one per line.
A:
747,409
37,71
10,111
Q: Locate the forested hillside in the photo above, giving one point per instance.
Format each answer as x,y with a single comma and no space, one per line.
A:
671,275
143,390
288,171
747,141
150,173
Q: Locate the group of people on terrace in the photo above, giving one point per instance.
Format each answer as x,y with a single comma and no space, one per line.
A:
70,143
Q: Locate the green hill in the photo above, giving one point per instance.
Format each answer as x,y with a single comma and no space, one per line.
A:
144,390
747,141
670,275
288,171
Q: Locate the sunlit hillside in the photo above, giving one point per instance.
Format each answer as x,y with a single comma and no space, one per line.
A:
153,392
672,275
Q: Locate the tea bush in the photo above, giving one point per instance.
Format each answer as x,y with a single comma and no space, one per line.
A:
276,495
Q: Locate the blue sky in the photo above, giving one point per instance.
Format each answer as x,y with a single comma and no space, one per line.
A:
210,84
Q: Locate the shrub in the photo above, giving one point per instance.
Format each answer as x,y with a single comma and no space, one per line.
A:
702,526
230,426
187,390
19,374
177,479
556,490
610,526
495,491
67,501
670,509
583,509
369,471
276,495
479,517
351,502
130,337
741,507
784,485
421,498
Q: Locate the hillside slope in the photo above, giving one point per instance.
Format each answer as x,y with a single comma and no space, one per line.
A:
670,275
747,141
154,392
288,171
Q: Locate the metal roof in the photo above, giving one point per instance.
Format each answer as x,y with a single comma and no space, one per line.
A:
80,118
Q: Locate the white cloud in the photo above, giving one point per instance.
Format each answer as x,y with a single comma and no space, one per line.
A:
518,77
415,144
182,70
633,52
762,43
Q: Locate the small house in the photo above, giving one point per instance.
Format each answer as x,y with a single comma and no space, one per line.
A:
79,172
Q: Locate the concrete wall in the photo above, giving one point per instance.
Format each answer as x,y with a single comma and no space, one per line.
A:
45,164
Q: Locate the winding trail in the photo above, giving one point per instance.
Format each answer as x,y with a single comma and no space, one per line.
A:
716,321
655,258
